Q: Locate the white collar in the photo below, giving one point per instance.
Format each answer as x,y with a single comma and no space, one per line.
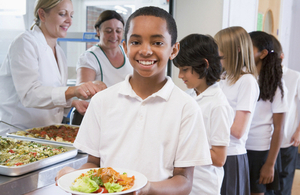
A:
164,92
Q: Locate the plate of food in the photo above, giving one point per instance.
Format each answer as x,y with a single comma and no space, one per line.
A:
102,180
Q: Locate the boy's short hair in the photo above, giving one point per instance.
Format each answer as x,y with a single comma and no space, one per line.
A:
157,12
194,49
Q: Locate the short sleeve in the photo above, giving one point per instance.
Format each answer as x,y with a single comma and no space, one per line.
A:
248,93
279,104
193,147
221,121
88,60
88,136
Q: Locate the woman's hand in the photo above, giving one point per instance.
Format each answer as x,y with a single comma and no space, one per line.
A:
80,106
62,172
85,90
100,85
88,90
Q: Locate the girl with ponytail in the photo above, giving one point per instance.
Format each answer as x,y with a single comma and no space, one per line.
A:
266,129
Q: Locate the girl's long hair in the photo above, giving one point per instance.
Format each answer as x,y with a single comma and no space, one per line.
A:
236,46
271,71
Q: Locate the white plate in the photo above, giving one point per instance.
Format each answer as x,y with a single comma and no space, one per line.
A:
66,181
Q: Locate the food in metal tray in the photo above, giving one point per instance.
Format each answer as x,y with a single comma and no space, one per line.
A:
59,133
18,152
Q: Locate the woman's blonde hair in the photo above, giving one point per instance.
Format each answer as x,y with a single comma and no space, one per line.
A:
46,5
236,46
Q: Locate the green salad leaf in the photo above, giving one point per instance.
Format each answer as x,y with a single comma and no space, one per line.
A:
113,187
85,184
98,180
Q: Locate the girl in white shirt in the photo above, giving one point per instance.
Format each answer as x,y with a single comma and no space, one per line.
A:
291,134
242,91
266,129
200,67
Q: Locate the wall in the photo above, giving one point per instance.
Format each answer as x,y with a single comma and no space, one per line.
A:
274,6
286,26
294,51
240,13
208,17
196,16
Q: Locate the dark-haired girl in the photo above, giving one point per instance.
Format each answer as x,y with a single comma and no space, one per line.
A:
265,133
200,67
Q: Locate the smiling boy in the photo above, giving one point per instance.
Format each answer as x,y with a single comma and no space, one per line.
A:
146,123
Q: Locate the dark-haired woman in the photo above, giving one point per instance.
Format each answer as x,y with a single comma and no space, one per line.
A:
266,129
200,68
105,63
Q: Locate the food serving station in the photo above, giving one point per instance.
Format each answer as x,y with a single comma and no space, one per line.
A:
29,182
35,169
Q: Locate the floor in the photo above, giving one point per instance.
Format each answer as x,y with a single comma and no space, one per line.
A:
296,184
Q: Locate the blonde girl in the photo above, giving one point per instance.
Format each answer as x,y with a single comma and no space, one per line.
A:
240,86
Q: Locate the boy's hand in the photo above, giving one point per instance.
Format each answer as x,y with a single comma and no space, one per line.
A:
266,174
62,172
296,138
142,191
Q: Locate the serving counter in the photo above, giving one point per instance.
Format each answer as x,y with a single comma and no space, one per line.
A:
35,180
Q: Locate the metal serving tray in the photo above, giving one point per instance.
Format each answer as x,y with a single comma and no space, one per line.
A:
40,139
22,169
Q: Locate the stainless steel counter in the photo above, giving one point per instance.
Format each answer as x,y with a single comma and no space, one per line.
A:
37,179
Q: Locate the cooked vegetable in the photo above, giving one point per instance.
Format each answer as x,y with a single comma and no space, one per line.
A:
85,184
59,133
17,153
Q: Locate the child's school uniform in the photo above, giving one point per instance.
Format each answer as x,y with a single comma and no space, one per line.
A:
259,139
218,117
243,96
151,136
288,152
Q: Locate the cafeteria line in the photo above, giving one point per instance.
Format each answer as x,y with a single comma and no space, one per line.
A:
46,99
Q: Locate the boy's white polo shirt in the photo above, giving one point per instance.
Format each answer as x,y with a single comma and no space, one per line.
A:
292,82
218,117
261,129
242,95
152,136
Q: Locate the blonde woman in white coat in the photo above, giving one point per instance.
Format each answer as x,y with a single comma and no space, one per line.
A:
33,76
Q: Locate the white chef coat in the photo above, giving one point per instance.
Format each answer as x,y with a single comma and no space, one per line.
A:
32,83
